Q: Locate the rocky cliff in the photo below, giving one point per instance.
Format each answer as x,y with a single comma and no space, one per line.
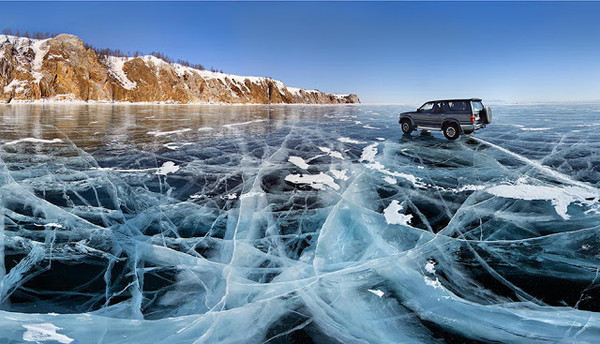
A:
62,68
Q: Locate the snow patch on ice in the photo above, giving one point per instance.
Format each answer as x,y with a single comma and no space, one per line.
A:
165,133
44,332
560,197
394,217
376,292
390,180
298,161
316,181
349,140
535,129
369,152
176,145
231,125
470,187
51,224
229,196
339,174
331,153
167,167
433,283
430,267
33,140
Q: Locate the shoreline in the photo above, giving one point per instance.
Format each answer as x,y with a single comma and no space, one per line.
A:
94,102
167,103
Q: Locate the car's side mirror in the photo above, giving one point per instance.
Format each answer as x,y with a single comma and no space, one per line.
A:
418,110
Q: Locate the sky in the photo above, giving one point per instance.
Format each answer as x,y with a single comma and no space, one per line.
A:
386,52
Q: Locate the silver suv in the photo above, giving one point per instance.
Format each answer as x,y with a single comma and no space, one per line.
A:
452,116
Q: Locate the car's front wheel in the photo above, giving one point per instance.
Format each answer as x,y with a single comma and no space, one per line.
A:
407,127
451,131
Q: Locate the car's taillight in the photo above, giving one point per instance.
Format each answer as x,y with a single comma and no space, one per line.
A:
472,118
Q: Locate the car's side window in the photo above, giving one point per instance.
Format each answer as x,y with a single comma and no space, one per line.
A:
458,106
439,107
427,107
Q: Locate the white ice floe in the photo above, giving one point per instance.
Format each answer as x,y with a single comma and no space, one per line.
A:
44,332
298,161
33,140
167,167
349,140
165,133
393,215
316,181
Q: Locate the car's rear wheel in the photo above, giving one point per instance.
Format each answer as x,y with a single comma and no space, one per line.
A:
407,127
451,131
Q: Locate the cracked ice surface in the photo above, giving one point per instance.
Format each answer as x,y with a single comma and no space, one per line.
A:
203,224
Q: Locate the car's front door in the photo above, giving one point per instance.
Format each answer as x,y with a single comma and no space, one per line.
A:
423,114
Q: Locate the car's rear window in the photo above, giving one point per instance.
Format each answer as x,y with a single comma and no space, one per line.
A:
458,105
477,106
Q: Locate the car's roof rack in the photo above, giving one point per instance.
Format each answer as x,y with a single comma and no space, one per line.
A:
455,100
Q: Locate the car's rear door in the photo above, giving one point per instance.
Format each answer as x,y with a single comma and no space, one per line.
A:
459,110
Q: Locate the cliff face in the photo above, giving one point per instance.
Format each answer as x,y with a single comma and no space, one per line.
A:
61,68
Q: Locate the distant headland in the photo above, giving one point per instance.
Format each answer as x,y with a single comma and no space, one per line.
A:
63,68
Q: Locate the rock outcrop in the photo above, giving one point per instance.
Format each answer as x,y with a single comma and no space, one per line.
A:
62,68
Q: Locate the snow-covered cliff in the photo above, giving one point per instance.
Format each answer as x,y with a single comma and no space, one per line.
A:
62,68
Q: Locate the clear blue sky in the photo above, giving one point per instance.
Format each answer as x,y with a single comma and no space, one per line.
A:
387,52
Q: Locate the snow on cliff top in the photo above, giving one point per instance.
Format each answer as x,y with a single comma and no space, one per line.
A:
22,46
115,67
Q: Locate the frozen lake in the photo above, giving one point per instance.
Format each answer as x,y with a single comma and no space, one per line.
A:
278,224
